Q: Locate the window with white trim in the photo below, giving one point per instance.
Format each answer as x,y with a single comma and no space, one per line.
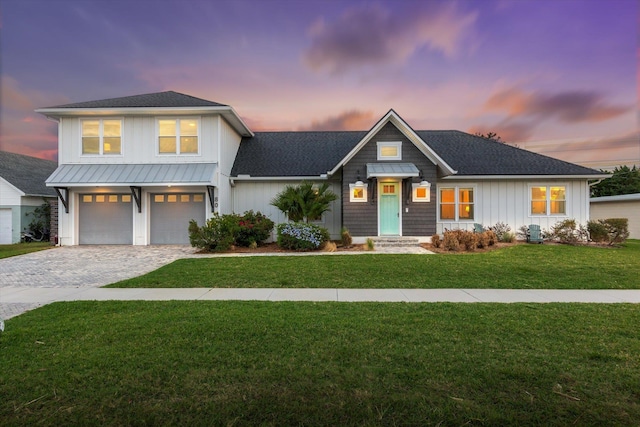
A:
420,192
456,203
101,136
548,200
178,136
358,192
389,150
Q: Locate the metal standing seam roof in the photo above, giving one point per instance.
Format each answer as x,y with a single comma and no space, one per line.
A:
392,169
133,174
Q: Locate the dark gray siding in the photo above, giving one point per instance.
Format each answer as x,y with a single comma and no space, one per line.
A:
362,218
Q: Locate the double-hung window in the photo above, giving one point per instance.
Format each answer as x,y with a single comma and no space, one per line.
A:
178,136
456,203
548,200
101,136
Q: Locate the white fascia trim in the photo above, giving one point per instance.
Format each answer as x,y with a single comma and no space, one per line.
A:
619,198
279,178
21,193
393,117
537,177
226,111
128,184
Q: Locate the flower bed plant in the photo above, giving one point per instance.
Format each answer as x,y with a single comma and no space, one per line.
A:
221,232
300,236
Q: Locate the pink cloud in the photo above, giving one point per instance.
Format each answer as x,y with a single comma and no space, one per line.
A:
371,35
568,106
21,129
349,120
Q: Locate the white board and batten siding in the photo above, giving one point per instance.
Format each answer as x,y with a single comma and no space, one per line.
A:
509,201
248,195
139,141
228,148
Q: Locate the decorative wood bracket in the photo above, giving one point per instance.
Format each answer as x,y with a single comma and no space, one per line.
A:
213,200
63,198
136,192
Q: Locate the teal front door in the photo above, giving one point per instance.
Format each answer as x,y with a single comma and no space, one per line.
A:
389,208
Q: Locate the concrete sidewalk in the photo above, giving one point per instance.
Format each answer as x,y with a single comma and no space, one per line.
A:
35,297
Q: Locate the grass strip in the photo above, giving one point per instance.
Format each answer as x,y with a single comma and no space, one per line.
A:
515,267
15,249
258,363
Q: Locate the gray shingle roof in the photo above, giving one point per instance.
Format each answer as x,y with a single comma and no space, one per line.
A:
149,100
27,173
473,155
273,154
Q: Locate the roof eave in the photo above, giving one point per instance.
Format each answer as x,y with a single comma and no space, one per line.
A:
472,177
242,177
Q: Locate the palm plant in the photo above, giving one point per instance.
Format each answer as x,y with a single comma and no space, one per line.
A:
304,202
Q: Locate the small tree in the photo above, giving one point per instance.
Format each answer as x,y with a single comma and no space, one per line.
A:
304,202
41,220
624,180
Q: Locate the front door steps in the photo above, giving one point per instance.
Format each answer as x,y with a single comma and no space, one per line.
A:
394,242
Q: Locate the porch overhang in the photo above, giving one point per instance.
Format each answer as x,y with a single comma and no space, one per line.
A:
392,170
127,175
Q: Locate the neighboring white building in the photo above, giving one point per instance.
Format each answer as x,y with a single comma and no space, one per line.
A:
135,170
623,206
22,190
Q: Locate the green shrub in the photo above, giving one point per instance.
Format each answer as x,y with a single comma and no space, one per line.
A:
217,234
597,231
370,244
345,236
617,229
253,228
567,231
300,236
508,237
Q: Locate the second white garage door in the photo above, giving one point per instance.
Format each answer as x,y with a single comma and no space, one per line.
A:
170,216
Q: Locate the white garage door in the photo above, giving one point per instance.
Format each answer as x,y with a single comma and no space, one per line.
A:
170,216
106,219
5,226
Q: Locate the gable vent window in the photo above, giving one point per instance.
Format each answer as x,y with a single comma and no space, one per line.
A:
101,136
178,136
389,150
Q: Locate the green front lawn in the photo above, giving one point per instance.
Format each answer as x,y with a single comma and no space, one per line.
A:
520,266
258,363
7,251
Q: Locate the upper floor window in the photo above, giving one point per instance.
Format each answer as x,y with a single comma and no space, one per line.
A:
102,136
389,150
457,204
548,200
178,136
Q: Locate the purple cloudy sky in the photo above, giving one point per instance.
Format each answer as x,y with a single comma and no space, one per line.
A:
557,77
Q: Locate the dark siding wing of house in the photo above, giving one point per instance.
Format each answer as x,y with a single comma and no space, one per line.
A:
473,155
274,154
27,173
362,218
149,100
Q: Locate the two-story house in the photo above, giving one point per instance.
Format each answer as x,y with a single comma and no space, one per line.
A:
135,170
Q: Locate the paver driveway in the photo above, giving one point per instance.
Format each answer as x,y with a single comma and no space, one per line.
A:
81,266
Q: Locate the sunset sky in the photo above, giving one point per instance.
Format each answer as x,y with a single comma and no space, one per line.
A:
556,77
